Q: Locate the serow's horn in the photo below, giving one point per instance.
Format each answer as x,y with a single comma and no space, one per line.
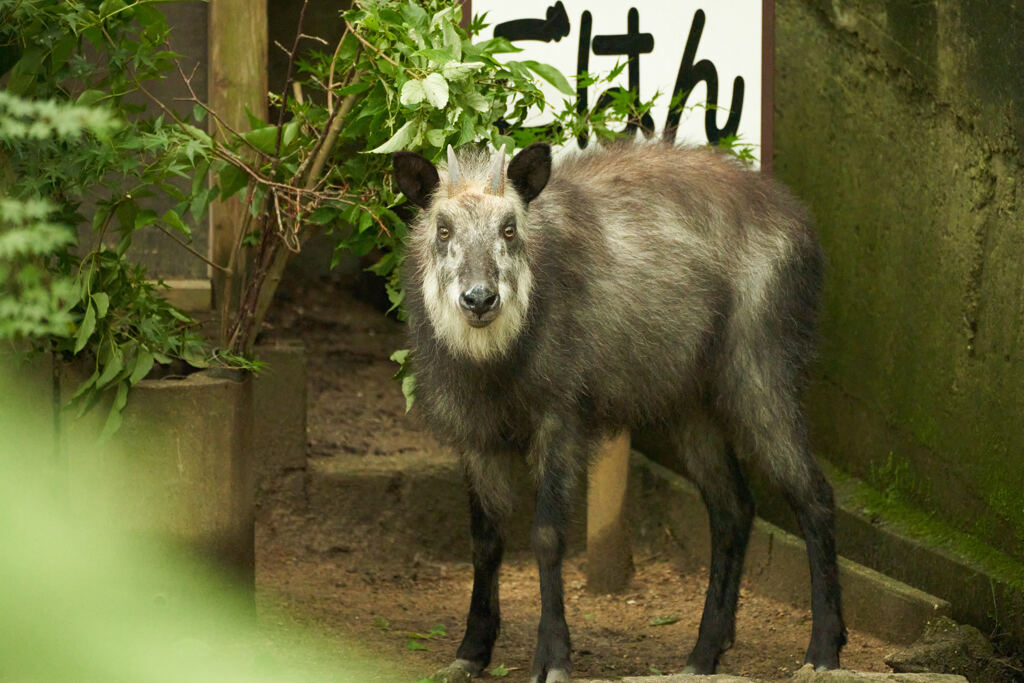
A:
496,182
454,174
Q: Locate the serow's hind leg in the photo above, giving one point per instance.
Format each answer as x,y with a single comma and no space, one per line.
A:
712,466
781,449
812,501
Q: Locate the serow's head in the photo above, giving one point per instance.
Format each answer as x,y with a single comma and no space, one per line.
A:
471,243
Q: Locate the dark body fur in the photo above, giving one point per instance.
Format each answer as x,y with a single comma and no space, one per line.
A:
674,291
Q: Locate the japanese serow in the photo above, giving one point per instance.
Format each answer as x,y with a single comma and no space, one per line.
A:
635,286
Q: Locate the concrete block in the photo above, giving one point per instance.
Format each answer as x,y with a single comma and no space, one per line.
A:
178,469
189,295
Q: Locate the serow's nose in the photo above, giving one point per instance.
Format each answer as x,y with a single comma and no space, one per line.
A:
479,299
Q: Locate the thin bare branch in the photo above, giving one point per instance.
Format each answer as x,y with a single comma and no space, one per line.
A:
369,45
288,79
189,248
330,72
194,98
283,48
330,137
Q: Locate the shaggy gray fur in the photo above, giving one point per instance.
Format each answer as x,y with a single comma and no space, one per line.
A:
663,282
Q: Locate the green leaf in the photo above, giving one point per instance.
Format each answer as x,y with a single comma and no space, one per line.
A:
90,97
436,137
435,55
412,93
384,265
663,621
323,215
232,179
60,53
454,70
86,385
436,89
291,131
102,302
396,142
550,74
103,212
113,422
414,14
409,391
355,88
365,221
86,328
493,46
438,631
123,244
476,101
452,41
198,113
113,366
172,219
264,139
108,7
499,671
415,645
143,364
381,623
145,218
400,356
126,212
193,355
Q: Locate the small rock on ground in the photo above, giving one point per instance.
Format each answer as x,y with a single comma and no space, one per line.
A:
949,647
807,674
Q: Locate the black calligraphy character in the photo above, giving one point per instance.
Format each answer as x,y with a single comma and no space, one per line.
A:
553,28
631,44
582,65
690,75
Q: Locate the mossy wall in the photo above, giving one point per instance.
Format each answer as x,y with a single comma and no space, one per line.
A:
899,123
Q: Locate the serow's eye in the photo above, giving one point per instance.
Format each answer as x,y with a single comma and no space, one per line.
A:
509,231
443,232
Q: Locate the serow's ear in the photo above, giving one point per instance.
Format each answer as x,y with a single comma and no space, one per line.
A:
530,169
416,177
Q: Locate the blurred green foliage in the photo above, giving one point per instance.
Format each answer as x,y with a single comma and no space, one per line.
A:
85,600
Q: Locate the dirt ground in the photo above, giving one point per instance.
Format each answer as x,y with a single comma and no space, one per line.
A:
384,600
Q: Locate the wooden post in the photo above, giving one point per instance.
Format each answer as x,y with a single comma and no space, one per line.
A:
237,85
609,556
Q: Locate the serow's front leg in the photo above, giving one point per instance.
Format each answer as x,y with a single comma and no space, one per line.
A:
551,660
484,620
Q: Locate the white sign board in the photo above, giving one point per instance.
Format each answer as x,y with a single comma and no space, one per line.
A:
713,50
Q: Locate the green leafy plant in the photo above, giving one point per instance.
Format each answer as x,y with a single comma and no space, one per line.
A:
68,134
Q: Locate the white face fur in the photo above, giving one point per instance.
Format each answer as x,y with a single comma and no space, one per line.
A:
475,239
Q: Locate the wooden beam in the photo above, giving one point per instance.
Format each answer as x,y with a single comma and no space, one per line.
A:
237,71
609,555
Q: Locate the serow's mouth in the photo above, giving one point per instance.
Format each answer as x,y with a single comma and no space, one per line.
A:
479,321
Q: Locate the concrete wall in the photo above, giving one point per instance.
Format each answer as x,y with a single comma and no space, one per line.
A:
900,124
